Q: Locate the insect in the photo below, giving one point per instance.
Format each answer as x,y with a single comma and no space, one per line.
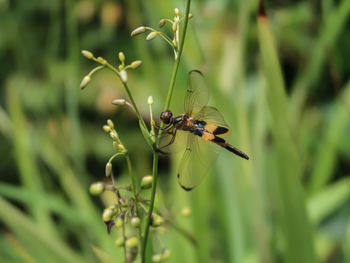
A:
204,127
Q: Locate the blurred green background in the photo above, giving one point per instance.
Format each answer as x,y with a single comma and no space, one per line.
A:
289,203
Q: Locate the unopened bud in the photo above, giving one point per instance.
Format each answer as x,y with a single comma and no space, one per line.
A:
121,147
138,30
147,182
119,242
108,214
85,82
174,27
157,258
87,54
166,254
135,221
123,76
115,145
157,220
151,35
150,100
110,124
186,211
108,169
161,23
119,102
131,242
101,60
96,188
135,64
119,222
121,56
123,202
177,12
106,128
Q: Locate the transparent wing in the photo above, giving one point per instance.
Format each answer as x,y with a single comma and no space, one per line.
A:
196,161
216,123
197,93
173,143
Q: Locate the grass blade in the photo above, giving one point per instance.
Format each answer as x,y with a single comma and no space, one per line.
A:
292,213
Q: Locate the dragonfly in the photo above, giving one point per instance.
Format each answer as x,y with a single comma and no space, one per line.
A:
205,129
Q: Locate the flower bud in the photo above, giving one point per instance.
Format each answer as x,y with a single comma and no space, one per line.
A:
113,135
108,214
108,169
110,123
106,128
151,35
135,221
157,258
123,202
177,12
157,220
119,102
121,147
115,145
123,76
121,56
135,64
119,222
96,188
150,100
186,211
166,254
119,242
85,82
147,182
190,15
138,30
101,60
174,27
87,54
161,23
131,242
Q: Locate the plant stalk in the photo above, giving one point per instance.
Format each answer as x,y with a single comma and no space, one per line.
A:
155,154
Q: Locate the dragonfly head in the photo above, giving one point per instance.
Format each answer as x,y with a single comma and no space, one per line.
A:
166,117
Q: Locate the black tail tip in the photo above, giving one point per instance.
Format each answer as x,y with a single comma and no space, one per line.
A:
261,11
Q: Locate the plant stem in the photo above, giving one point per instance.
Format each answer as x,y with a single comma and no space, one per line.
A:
129,94
133,182
155,154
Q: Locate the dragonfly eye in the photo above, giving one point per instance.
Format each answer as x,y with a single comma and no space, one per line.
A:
166,116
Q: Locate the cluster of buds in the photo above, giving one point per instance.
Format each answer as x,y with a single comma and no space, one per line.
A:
125,215
121,70
173,41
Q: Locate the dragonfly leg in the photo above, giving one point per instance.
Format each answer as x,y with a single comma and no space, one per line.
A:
164,128
171,140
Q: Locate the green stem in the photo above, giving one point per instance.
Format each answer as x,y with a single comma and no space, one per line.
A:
133,182
155,154
149,217
129,94
124,247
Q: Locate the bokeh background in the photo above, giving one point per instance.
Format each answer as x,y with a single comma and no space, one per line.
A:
289,203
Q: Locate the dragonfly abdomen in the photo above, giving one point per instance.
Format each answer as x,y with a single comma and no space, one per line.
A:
221,142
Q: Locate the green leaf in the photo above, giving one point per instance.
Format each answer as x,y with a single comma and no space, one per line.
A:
296,229
325,202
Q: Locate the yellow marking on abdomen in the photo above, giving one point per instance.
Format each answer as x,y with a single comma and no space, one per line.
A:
210,127
208,136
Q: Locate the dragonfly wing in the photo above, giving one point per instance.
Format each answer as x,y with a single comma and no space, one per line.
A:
216,123
197,93
196,161
171,142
